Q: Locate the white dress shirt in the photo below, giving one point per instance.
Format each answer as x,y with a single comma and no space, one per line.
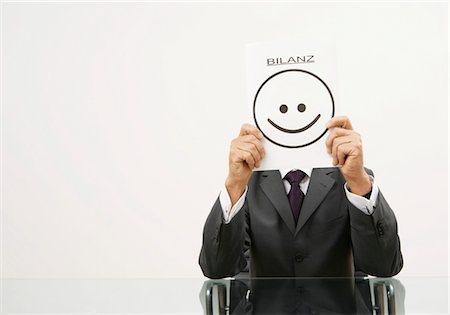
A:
363,204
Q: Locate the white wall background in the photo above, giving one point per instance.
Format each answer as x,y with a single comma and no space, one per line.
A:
117,119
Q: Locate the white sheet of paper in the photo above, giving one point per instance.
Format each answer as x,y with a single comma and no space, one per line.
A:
292,95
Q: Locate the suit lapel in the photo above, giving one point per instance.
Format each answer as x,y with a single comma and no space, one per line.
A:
319,186
273,187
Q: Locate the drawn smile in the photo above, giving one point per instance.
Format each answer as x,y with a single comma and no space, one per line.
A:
294,130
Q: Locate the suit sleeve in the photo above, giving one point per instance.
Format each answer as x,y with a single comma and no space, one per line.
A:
376,245
222,253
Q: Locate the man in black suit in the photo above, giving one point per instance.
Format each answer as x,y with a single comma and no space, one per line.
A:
323,222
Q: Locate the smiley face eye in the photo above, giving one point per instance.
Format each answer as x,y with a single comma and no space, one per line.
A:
283,108
301,107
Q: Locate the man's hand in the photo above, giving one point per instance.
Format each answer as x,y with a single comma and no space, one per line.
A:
345,146
246,153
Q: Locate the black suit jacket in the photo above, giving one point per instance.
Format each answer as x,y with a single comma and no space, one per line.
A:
332,237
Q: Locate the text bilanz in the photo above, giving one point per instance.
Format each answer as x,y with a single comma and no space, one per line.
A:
290,60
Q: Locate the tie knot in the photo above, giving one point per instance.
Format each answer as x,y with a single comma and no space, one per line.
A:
294,176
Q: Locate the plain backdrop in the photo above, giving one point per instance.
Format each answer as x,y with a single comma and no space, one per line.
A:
117,119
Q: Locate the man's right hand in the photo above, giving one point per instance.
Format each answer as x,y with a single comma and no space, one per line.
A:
246,153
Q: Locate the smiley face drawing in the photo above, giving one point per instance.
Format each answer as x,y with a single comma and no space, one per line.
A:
292,107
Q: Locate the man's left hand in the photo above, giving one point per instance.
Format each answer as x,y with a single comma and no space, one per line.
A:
345,146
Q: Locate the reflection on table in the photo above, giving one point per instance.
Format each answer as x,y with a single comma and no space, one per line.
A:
425,295
303,296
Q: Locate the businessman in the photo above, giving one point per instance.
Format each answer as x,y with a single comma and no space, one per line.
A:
321,222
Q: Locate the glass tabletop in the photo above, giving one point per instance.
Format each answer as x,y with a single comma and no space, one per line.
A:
400,295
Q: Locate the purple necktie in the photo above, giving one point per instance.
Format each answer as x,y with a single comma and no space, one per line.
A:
295,195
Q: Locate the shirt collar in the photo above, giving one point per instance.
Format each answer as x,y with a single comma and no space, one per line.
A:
307,171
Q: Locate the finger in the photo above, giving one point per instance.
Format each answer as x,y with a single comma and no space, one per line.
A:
246,143
336,143
339,121
250,147
342,153
252,139
248,158
340,140
260,148
247,129
334,133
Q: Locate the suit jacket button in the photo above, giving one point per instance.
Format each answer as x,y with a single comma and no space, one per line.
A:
380,229
298,258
